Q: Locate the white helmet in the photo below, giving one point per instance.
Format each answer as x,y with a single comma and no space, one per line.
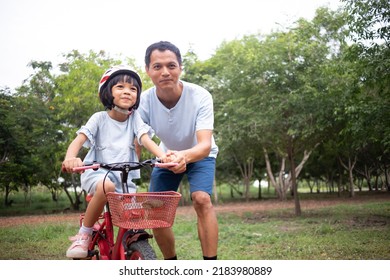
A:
105,94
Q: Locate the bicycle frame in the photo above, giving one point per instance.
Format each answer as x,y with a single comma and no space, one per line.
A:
103,236
113,247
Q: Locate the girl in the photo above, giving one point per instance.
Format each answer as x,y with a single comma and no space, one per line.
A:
110,136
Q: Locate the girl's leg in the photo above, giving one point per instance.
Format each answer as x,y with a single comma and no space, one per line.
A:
96,205
79,247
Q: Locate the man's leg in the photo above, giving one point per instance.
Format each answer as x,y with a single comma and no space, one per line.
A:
207,223
201,178
164,180
166,241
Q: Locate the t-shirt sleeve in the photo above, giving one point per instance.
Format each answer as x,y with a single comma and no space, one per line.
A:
144,107
140,127
205,118
90,130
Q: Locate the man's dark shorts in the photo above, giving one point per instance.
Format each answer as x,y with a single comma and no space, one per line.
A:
200,176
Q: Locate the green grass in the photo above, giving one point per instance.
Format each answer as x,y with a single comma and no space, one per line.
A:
358,231
38,201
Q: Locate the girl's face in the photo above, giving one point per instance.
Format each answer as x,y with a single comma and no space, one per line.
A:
125,95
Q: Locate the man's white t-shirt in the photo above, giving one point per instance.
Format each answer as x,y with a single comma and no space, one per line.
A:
176,127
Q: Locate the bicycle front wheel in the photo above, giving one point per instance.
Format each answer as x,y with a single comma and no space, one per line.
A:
140,250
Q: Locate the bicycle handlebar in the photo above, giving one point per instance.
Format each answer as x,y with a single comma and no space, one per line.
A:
125,166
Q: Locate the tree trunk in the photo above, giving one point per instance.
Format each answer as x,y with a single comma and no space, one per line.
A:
270,174
7,202
246,170
259,196
349,168
281,186
294,188
77,201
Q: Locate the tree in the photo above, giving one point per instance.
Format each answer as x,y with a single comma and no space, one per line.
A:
368,109
37,92
369,22
275,93
9,146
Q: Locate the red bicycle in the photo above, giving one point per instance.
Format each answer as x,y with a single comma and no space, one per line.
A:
131,213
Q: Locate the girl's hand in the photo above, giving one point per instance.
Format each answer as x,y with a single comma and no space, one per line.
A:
69,164
168,157
164,158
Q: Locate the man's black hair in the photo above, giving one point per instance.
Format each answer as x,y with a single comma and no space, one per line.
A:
162,46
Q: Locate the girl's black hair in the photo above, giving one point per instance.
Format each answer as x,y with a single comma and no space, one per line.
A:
106,92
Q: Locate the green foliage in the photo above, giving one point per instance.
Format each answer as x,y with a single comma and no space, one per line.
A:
370,23
370,20
77,86
285,92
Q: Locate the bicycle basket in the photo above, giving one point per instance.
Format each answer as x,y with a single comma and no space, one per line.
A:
143,210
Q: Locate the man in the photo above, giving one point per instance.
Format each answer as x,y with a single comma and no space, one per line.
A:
182,116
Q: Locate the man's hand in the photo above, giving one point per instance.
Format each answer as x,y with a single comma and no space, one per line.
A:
179,157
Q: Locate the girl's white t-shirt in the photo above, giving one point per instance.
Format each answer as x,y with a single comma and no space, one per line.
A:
111,141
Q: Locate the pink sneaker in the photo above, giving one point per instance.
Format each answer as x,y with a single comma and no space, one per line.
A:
79,247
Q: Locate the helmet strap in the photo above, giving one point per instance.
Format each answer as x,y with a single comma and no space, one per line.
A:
123,111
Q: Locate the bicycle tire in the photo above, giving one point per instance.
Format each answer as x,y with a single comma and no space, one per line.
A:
141,250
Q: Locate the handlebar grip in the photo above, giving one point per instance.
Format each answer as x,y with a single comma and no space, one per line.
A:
85,167
165,165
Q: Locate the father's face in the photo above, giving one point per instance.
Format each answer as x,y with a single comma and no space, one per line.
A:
164,69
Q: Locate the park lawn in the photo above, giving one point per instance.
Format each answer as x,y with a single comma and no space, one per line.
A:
337,232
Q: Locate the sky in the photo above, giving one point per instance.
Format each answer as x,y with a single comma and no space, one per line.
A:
45,30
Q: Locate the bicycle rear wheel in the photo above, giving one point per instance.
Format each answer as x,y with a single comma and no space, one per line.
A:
140,250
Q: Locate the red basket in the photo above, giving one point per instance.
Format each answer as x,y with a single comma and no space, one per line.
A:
143,210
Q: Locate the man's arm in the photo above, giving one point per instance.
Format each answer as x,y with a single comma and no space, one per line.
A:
200,150
196,153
